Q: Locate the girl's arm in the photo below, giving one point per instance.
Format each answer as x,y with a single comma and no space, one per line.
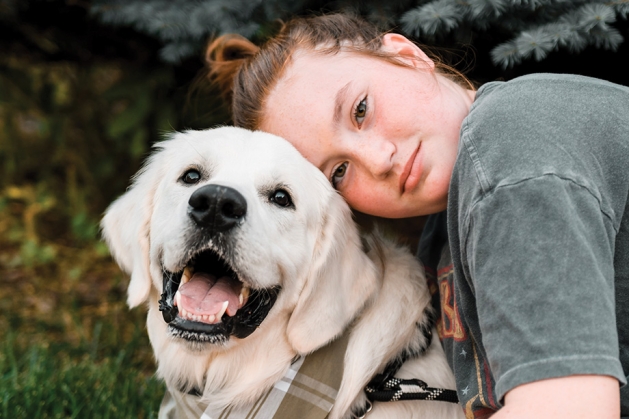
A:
574,397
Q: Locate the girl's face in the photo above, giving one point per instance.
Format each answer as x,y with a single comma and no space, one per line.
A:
385,135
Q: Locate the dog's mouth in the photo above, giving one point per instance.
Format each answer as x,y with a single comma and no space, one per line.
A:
207,301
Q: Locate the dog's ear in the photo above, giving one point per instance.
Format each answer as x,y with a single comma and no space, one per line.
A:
125,228
342,278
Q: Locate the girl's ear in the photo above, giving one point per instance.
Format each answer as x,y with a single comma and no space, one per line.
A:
407,50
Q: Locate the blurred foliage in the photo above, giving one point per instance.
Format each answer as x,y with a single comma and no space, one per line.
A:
68,132
520,29
80,105
76,120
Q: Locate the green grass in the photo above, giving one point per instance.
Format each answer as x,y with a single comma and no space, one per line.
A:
69,345
61,381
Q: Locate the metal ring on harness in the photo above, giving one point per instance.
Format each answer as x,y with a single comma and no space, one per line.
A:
363,412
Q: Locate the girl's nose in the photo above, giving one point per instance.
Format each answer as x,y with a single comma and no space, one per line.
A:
376,156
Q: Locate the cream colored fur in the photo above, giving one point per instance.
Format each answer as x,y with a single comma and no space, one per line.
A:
313,251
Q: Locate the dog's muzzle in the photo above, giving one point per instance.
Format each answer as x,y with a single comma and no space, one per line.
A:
206,301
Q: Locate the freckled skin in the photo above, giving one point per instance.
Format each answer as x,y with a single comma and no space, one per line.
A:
405,108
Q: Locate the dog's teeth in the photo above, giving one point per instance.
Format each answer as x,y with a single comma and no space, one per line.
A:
206,318
177,302
187,274
211,318
184,313
219,315
244,294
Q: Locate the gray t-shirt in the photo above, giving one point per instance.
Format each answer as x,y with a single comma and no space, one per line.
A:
539,281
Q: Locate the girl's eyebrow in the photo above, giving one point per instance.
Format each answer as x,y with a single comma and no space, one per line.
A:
338,102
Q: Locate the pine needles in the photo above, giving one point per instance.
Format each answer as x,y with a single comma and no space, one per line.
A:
530,29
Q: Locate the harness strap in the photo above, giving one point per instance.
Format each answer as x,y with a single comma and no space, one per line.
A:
385,387
412,389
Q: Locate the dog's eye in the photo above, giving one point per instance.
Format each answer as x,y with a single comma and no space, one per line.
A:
192,176
281,198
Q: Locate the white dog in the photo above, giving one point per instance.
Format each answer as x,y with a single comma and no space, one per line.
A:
247,259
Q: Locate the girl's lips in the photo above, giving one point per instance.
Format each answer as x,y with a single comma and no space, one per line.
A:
409,178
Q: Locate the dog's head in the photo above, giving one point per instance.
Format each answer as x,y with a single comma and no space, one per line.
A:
219,222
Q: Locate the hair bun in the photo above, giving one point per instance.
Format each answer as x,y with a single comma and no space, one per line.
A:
224,57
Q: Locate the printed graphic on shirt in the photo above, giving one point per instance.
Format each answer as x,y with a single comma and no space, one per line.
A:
450,325
475,383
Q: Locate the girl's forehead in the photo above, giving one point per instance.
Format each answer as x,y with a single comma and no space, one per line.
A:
313,81
317,64
301,69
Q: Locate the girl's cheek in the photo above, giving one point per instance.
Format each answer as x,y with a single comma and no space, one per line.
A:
348,180
351,189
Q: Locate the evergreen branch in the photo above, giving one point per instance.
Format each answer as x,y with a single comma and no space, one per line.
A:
536,42
537,27
608,38
569,36
621,7
487,9
181,25
506,55
174,52
596,15
432,18
531,4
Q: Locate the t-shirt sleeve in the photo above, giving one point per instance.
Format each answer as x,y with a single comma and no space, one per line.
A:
540,260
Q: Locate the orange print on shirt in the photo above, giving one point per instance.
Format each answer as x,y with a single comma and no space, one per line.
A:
450,325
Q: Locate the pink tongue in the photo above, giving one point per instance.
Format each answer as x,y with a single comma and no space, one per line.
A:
205,295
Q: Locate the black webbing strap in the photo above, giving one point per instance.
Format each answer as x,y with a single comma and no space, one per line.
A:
385,387
412,389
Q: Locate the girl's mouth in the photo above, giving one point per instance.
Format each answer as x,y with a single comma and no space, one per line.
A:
411,173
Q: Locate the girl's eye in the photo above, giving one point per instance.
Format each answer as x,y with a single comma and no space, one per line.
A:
191,177
361,111
338,174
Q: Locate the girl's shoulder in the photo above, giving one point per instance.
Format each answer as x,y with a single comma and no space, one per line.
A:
538,97
535,104
549,83
567,126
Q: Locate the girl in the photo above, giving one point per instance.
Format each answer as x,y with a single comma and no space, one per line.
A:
531,175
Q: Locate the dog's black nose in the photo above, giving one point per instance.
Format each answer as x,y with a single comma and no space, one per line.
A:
217,208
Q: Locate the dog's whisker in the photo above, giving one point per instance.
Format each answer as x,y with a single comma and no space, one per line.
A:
193,147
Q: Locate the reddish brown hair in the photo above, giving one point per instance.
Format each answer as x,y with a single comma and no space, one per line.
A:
246,73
